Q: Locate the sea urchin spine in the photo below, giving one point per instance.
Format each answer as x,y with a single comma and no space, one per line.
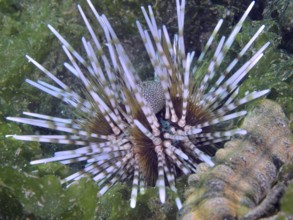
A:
145,132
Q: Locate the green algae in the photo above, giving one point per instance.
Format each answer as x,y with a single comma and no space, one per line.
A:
115,205
274,70
44,197
18,36
15,153
287,200
32,193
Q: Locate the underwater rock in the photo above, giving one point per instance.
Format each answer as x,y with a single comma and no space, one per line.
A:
242,183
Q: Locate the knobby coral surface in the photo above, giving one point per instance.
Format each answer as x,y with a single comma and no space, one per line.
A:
244,183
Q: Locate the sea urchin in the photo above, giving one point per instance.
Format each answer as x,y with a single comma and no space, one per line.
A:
144,132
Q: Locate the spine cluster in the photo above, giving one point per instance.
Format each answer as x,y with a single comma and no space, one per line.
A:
146,133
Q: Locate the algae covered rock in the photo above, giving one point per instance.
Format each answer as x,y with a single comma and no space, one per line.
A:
242,185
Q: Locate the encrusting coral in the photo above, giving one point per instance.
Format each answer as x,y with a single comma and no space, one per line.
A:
243,183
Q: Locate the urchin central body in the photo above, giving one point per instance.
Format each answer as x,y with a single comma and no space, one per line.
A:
143,131
172,139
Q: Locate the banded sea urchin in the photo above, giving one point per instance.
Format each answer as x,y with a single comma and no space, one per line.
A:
147,132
